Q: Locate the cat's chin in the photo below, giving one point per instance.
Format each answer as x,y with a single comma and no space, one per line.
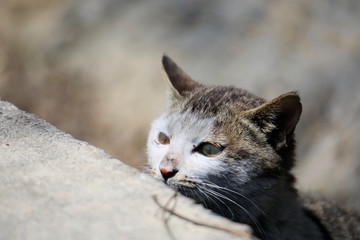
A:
176,183
173,184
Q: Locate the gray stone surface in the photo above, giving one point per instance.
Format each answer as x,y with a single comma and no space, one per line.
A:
53,186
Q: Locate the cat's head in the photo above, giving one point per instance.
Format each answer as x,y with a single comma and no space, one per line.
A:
209,134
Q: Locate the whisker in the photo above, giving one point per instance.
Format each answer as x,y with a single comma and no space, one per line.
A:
200,198
146,168
215,196
220,195
183,192
212,200
232,191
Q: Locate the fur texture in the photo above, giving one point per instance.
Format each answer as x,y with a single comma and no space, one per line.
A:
232,152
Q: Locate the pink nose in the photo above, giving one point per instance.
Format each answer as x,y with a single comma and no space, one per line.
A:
168,173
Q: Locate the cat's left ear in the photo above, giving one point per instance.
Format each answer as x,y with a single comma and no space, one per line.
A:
180,82
278,118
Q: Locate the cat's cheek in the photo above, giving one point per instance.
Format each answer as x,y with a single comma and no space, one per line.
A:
200,166
156,153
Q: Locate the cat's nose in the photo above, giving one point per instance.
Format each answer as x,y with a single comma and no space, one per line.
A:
168,173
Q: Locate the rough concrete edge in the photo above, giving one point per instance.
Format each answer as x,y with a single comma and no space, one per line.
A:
200,213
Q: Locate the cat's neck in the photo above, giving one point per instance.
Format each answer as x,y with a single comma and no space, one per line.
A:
281,215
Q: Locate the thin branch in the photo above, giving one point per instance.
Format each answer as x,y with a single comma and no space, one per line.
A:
173,198
167,218
221,228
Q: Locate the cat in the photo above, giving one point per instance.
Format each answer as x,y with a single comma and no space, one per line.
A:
232,152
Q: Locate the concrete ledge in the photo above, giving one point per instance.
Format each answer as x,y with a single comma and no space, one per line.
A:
56,187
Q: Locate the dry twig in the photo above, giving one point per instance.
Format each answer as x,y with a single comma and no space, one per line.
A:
240,233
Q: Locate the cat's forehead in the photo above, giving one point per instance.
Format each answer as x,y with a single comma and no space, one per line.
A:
211,101
199,114
189,124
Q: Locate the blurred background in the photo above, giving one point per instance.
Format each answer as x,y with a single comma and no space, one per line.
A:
92,68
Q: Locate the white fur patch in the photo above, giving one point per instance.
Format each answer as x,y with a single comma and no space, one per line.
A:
186,131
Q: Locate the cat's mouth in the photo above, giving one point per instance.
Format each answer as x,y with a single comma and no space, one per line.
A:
181,181
177,181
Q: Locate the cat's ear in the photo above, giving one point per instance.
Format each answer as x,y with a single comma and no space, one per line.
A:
180,82
278,118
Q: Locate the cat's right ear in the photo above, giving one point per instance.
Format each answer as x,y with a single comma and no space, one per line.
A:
180,82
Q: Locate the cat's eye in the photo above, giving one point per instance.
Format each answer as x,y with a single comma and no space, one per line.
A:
208,149
163,139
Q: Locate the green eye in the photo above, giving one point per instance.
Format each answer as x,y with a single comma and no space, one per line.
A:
208,149
163,139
